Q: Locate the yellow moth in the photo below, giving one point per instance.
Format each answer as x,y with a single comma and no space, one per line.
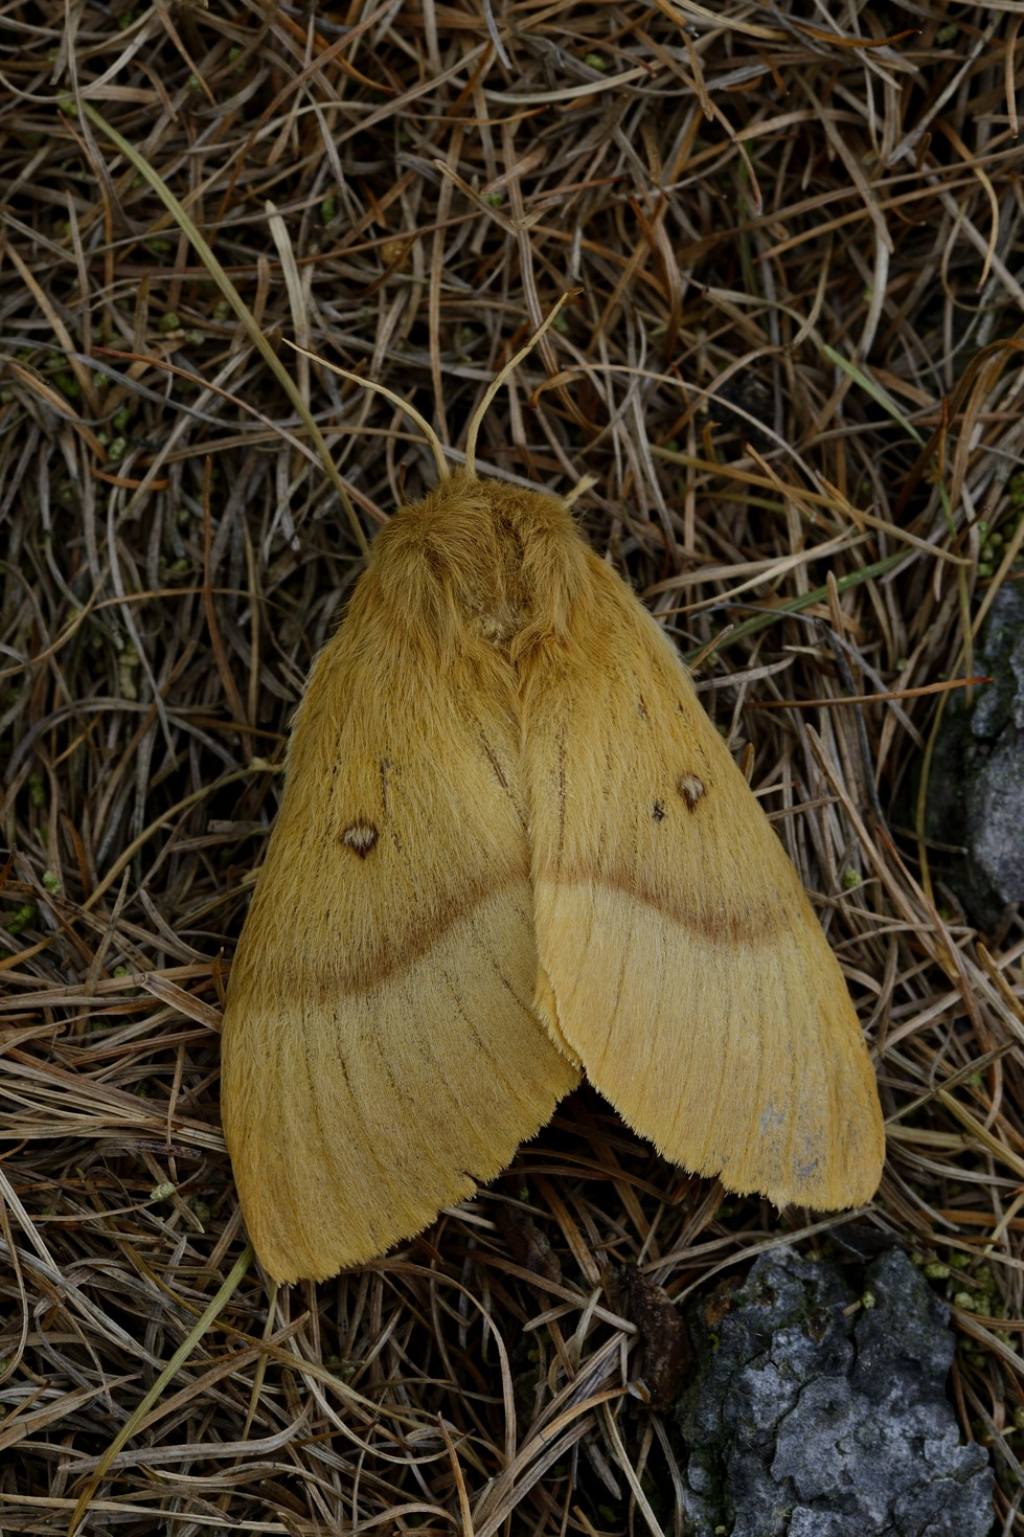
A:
512,849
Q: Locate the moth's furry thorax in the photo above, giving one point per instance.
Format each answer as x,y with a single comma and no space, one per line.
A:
507,558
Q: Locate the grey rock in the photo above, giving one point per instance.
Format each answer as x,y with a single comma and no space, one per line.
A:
1001,703
995,797
976,790
811,1417
995,818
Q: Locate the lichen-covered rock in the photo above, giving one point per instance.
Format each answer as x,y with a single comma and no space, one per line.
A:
976,790
818,1412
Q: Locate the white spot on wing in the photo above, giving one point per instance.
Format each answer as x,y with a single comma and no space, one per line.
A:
692,790
360,837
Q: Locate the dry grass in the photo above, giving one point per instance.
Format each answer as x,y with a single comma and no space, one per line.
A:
794,374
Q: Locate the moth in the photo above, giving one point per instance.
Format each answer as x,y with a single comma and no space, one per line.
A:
512,849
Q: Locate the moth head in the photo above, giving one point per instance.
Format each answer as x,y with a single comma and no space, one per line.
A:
507,555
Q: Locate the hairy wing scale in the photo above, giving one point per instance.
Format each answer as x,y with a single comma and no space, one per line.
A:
682,962
577,847
380,1052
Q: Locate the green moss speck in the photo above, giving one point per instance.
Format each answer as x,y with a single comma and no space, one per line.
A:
21,918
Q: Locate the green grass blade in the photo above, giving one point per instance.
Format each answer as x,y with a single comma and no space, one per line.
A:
216,1306
880,396
807,600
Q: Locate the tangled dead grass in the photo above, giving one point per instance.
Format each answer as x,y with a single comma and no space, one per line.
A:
793,373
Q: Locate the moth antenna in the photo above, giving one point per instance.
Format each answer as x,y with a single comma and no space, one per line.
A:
396,400
492,389
583,485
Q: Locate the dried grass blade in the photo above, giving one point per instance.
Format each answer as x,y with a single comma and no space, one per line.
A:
205,253
209,1316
